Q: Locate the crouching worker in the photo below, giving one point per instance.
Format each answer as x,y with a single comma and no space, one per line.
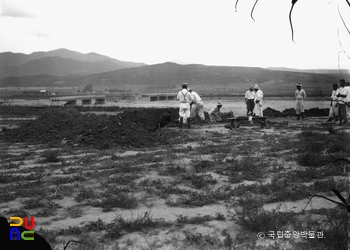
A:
197,107
214,113
185,98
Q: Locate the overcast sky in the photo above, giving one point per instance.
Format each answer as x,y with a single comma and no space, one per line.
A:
206,32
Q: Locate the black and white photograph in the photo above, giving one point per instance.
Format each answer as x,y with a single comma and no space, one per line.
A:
175,124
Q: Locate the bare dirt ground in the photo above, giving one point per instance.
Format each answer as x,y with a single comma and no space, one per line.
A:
202,188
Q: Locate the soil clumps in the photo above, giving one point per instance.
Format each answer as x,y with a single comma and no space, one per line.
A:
135,128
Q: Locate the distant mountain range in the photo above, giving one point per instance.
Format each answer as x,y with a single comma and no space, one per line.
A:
60,62
316,71
167,77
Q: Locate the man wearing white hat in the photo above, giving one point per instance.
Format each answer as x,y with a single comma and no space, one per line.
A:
249,100
258,101
185,98
300,96
214,113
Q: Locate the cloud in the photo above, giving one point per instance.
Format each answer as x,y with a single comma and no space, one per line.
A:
10,10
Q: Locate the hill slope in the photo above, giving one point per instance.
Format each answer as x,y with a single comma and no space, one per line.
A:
58,62
167,77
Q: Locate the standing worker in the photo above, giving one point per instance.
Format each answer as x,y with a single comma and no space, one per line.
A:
197,107
333,110
258,101
185,98
300,95
342,102
347,85
249,100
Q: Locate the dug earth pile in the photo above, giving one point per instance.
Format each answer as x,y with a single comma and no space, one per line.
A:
135,128
131,128
313,112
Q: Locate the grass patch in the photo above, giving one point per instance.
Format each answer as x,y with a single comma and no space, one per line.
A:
199,219
200,181
67,179
141,222
50,156
85,194
120,199
248,168
172,171
48,208
279,189
310,159
74,211
123,179
252,217
202,165
192,199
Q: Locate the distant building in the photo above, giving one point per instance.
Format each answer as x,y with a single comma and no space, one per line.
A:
43,92
59,82
83,100
162,97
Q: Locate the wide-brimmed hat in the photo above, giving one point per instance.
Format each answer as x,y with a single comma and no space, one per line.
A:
298,84
256,86
220,103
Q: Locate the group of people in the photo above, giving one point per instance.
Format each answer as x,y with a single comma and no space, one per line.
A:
192,105
340,102
254,101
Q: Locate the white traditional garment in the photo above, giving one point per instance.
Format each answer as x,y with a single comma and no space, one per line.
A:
258,105
185,97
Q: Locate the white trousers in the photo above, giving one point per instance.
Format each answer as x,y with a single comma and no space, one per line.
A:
333,111
258,109
198,108
184,111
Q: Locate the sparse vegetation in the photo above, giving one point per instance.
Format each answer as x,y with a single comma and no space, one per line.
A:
241,174
50,156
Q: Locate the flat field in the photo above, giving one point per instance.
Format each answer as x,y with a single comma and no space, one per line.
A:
237,105
202,188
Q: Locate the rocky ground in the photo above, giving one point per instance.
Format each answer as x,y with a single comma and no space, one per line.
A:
138,186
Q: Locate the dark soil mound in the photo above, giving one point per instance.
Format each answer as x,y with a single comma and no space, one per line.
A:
272,112
289,112
226,115
317,112
131,128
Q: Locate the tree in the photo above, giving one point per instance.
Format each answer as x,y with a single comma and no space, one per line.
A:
290,14
293,2
344,203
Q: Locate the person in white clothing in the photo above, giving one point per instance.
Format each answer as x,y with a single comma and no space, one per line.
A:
249,100
258,101
347,85
342,101
197,106
300,95
185,98
333,110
